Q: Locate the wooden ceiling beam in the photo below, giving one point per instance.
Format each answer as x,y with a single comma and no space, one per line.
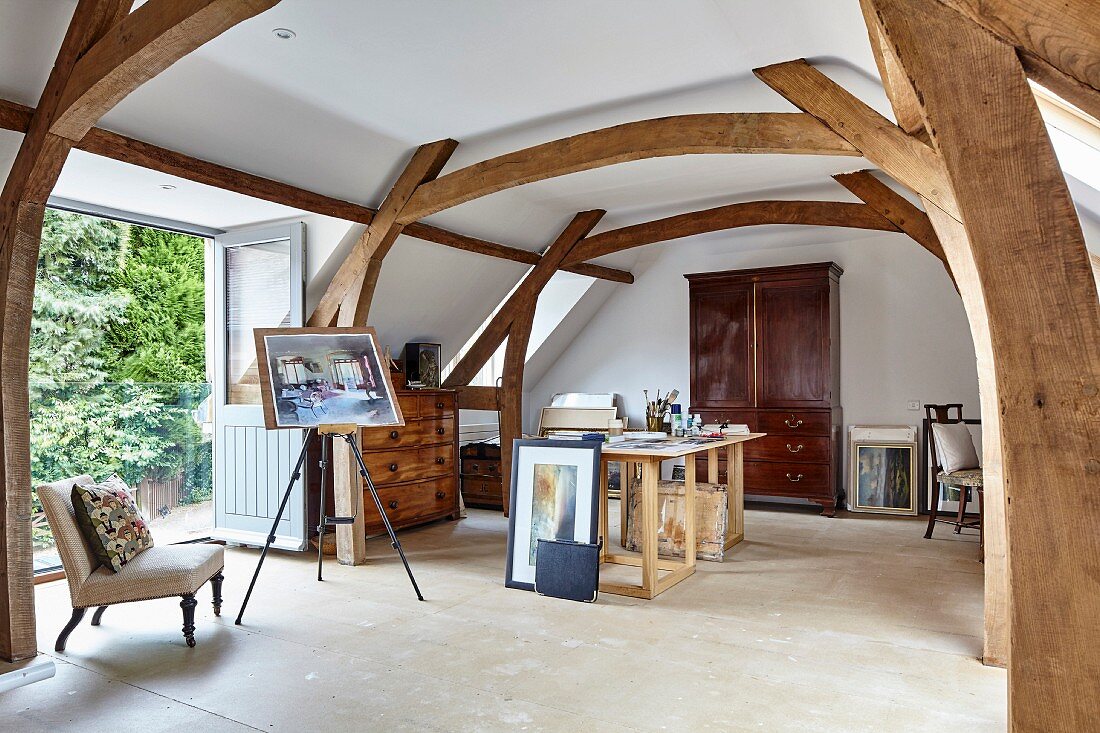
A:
138,47
16,117
732,216
525,293
907,159
739,132
1058,42
903,98
420,230
381,233
895,207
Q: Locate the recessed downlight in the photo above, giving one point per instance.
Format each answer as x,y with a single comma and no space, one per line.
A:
284,34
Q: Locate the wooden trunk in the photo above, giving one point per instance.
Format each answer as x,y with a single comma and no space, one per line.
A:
711,519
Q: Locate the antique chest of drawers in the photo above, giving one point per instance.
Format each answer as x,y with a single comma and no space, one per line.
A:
414,467
481,479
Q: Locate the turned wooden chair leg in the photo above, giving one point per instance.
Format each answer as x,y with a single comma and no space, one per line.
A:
98,615
188,605
78,614
216,586
963,491
932,513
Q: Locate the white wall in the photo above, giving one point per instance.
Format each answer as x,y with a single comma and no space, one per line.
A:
904,335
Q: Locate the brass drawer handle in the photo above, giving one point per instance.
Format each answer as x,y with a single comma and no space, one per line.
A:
474,466
441,460
795,450
393,466
441,494
441,431
796,422
393,504
794,479
394,435
439,405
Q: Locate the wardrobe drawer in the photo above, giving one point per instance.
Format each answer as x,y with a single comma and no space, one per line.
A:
786,478
794,422
789,448
408,503
411,464
436,405
415,432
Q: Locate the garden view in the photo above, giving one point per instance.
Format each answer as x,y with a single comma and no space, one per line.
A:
117,365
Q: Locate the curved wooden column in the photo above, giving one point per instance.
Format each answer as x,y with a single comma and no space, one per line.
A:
156,35
1040,302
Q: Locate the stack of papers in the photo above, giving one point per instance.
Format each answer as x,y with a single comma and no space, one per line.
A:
714,428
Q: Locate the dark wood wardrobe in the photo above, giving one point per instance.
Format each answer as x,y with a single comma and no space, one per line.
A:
765,351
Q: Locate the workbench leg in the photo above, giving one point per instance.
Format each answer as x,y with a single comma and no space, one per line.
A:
735,488
626,473
651,472
690,540
712,466
604,509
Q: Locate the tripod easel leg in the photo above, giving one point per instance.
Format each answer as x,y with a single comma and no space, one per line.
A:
322,524
294,476
350,438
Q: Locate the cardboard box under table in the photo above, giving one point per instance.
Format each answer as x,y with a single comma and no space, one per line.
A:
712,518
650,457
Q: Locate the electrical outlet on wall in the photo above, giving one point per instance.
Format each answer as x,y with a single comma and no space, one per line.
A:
912,405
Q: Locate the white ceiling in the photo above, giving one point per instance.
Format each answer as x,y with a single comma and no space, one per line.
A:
340,108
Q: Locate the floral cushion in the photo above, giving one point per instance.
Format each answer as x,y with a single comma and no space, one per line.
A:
110,521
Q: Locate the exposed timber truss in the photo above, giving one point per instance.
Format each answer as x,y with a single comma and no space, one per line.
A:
968,141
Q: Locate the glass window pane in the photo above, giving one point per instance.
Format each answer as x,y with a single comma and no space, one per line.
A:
257,290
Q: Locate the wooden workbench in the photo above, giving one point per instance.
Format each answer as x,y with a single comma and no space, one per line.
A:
653,584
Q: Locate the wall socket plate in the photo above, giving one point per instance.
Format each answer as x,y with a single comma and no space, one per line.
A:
912,405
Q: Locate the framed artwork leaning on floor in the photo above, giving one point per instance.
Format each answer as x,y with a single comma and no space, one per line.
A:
555,495
882,477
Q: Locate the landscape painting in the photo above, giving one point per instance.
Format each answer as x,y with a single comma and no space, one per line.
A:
553,504
882,478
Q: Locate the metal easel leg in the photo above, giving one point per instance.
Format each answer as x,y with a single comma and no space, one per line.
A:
350,438
297,474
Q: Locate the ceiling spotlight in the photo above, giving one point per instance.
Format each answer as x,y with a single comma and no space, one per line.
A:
284,34
168,187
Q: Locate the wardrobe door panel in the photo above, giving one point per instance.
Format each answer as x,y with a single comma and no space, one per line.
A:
722,370
792,321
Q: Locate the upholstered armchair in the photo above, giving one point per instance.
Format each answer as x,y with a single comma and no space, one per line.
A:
158,572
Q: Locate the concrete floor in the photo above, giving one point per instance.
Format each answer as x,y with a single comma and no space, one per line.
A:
811,624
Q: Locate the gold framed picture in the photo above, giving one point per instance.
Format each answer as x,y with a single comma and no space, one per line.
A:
881,477
324,376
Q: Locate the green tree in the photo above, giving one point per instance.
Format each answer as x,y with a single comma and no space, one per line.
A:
162,337
75,300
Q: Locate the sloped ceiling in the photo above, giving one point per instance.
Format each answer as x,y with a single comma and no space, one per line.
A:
340,108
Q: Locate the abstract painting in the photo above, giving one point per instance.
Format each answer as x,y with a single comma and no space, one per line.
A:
553,504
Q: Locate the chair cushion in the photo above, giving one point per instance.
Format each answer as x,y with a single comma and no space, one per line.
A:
159,572
954,446
965,477
110,521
